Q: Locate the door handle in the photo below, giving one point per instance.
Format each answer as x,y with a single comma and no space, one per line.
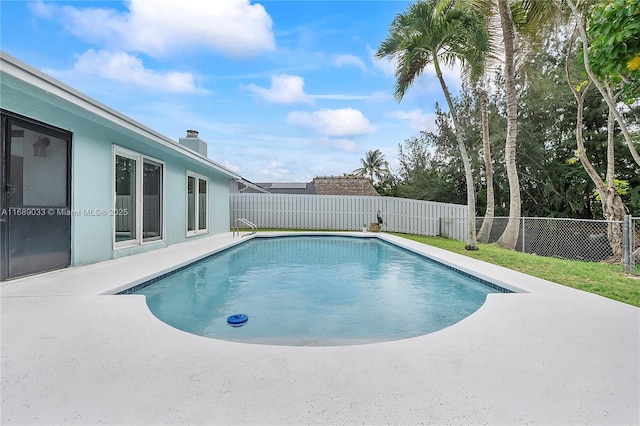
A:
9,188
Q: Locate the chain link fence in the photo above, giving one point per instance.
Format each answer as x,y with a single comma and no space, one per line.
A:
634,244
573,239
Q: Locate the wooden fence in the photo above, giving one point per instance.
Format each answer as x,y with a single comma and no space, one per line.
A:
342,212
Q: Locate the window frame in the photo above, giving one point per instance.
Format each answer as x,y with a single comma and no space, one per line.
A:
196,224
140,159
161,165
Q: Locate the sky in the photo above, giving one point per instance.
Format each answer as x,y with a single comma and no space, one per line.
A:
281,91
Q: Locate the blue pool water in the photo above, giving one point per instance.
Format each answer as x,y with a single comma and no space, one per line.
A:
315,291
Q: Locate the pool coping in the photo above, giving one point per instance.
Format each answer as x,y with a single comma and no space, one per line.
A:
73,353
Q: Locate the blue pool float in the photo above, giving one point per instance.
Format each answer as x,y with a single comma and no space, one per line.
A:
237,320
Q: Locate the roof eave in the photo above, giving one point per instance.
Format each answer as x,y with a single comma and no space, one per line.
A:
36,78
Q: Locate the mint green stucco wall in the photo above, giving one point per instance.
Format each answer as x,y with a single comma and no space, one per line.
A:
219,206
92,181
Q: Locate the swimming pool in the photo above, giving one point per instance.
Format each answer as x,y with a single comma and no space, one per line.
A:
315,290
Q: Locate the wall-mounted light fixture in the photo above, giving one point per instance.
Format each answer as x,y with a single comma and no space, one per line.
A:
40,147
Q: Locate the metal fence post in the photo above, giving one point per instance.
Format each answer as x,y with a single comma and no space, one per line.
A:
626,244
523,235
633,255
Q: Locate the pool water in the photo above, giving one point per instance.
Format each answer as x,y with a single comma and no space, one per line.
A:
315,290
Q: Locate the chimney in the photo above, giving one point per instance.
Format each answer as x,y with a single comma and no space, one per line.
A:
193,142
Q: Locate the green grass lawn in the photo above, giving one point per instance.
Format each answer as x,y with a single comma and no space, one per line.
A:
599,278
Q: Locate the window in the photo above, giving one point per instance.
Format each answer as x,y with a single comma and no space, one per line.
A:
152,201
139,199
125,199
38,168
197,204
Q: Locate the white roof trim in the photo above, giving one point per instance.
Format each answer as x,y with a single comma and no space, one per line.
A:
252,185
36,78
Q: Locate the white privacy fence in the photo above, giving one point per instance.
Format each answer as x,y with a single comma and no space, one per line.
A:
344,212
151,213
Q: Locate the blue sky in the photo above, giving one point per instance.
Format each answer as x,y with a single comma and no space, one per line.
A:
280,90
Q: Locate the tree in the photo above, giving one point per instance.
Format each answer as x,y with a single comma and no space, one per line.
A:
553,181
487,222
374,166
526,17
603,87
614,51
612,205
425,172
439,32
509,237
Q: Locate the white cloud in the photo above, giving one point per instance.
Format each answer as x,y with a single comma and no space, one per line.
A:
42,9
285,89
157,28
417,120
124,68
332,122
375,97
341,144
428,84
274,170
339,97
231,166
379,97
349,60
386,65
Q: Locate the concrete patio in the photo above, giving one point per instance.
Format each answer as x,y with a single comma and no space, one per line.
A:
74,353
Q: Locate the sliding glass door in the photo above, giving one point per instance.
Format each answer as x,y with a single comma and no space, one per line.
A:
197,204
139,198
35,198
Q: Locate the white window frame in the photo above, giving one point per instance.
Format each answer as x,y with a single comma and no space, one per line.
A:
139,197
196,230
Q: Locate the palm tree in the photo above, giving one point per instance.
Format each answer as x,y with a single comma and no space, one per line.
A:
439,32
373,165
491,64
526,17
509,237
487,222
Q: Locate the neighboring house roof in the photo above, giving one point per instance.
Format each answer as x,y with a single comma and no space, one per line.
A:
289,187
344,185
321,185
13,67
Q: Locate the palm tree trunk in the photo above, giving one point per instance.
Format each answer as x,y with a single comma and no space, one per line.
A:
487,222
471,200
509,237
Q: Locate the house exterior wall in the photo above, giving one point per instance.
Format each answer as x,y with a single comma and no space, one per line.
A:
92,172
219,206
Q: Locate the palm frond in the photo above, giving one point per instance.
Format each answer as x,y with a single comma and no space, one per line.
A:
450,30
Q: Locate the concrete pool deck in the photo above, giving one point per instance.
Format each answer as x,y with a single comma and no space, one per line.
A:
74,353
